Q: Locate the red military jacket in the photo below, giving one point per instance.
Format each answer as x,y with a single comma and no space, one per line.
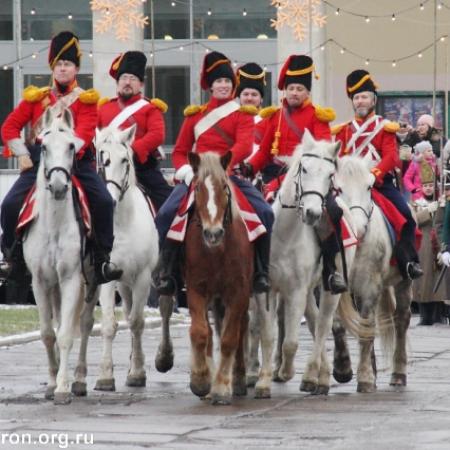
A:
238,126
150,130
383,145
314,118
35,102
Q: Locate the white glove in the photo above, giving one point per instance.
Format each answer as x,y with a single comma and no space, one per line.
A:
372,179
433,207
185,174
445,258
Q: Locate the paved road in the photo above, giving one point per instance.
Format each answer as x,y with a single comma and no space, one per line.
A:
165,415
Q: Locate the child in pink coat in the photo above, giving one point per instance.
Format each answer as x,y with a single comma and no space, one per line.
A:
424,162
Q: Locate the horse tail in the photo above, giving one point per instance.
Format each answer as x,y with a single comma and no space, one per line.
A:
385,322
358,326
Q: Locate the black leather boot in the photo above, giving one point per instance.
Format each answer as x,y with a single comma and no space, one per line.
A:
333,281
261,282
164,274
105,270
426,313
13,267
407,259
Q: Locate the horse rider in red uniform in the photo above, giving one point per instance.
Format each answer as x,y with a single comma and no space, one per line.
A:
64,60
131,107
370,133
283,132
220,125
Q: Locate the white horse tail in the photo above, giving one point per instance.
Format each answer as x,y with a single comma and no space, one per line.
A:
352,320
385,322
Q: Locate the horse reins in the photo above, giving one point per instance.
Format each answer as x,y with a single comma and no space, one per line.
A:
124,185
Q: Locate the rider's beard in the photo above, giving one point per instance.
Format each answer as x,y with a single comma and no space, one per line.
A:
364,111
126,94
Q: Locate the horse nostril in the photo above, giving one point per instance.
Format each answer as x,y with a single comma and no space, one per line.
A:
219,234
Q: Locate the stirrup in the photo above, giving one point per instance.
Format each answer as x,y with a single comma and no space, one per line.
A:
5,269
107,273
336,283
165,284
413,270
261,284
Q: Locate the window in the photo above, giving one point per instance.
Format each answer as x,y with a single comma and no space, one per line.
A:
6,20
172,86
233,19
7,103
171,19
42,20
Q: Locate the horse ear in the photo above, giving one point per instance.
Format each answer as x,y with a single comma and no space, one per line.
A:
226,159
368,161
194,161
48,118
68,118
308,140
127,136
337,147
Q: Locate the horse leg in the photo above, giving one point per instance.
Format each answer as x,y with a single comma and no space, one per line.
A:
280,339
316,378
70,306
239,375
402,319
253,337
200,340
79,386
44,302
266,320
342,365
105,380
136,374
229,343
164,357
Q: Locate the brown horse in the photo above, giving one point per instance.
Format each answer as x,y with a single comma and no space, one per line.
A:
218,273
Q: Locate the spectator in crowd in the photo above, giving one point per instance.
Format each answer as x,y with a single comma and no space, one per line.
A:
425,131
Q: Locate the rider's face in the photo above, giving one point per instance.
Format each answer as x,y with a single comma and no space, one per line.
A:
296,94
65,72
128,85
250,96
363,103
222,88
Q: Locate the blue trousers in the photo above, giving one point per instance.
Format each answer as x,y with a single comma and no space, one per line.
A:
155,184
100,201
168,211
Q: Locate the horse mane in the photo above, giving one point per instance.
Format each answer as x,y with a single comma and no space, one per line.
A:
353,167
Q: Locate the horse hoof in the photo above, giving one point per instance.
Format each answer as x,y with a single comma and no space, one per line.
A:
262,392
62,398
277,377
343,377
252,380
164,362
79,389
136,381
366,388
321,390
398,379
239,389
308,386
200,389
50,393
220,400
105,385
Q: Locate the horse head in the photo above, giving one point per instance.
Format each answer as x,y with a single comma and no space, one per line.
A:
212,194
353,180
58,149
314,163
115,159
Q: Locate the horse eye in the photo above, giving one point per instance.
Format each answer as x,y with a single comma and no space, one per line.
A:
304,170
124,160
107,162
72,146
43,148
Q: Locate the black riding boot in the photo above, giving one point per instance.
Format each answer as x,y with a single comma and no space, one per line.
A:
13,267
333,281
164,274
105,270
407,259
426,313
261,281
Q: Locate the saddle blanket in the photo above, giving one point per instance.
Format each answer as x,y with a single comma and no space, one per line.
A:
253,224
29,212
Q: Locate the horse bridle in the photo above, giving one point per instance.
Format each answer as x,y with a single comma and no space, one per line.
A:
368,214
125,183
48,173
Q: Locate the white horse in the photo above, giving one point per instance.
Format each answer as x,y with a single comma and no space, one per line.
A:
296,269
52,252
135,250
372,277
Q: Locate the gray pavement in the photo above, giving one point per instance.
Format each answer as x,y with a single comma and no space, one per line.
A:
165,415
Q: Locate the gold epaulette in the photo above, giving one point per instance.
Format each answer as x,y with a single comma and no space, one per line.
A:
249,109
89,97
337,128
268,111
103,101
326,114
34,94
193,109
391,127
162,106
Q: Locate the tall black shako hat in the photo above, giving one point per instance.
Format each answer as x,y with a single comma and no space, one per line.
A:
64,46
250,75
215,65
360,81
297,69
132,62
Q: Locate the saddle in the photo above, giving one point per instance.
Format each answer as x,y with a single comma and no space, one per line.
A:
29,212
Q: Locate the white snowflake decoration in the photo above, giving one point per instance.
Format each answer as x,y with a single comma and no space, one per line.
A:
297,15
120,15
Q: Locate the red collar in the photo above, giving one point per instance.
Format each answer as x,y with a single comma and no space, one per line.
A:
60,92
130,101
